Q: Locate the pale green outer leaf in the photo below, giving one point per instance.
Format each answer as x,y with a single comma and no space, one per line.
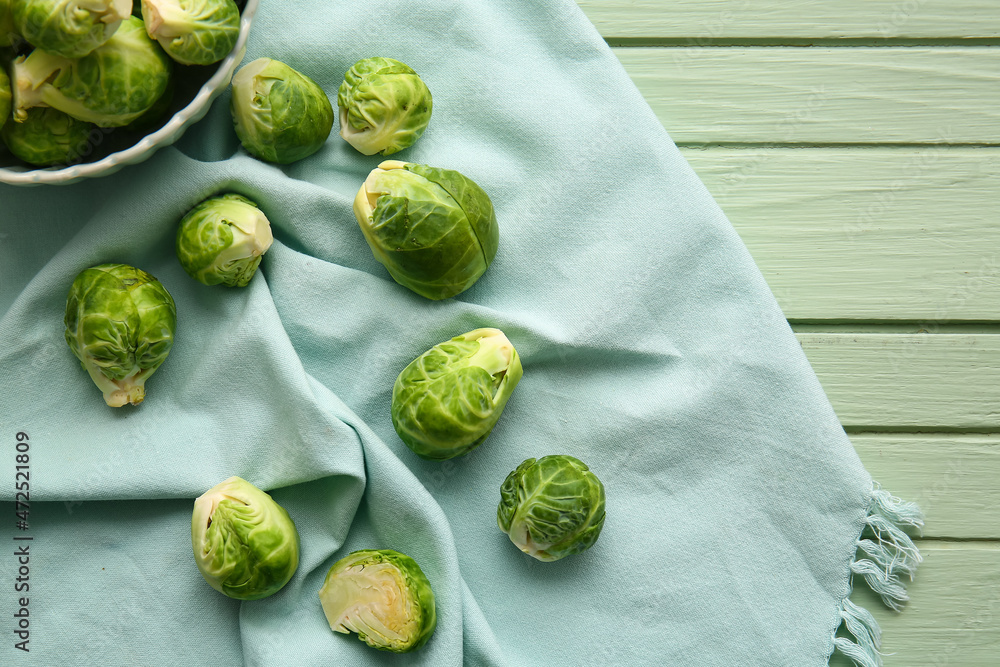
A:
384,106
446,402
434,230
383,596
280,114
110,87
120,323
222,240
245,544
46,137
552,507
193,32
69,28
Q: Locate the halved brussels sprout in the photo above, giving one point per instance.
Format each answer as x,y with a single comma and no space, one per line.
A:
4,96
222,240
69,28
446,402
47,137
120,324
552,508
383,596
433,229
110,87
245,544
280,115
193,32
384,106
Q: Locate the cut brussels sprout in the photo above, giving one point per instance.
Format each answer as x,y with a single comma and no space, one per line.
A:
552,508
383,596
193,32
120,324
433,229
69,28
245,544
384,106
4,96
47,137
280,115
110,87
446,402
222,240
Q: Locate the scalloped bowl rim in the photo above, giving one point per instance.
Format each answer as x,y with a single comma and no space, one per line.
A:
149,144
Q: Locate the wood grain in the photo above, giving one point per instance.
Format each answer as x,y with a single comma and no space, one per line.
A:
869,234
701,20
911,382
953,617
952,477
784,95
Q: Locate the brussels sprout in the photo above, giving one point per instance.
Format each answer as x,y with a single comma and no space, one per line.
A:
4,97
193,32
8,34
447,401
47,137
384,106
552,508
245,544
153,117
69,28
280,115
383,596
120,324
110,87
222,240
433,229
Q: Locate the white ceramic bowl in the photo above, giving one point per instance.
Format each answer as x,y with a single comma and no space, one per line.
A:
143,148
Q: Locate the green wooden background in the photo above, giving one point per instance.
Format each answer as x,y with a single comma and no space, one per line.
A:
855,146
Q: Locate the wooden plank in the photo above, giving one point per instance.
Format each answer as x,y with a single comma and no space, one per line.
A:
821,95
951,476
909,382
701,20
876,233
953,617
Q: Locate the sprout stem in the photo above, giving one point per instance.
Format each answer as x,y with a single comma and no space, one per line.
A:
494,351
119,392
28,74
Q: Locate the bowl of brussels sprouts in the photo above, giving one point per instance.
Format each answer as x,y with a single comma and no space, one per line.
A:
84,93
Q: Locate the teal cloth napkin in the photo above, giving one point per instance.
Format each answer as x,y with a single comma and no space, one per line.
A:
652,350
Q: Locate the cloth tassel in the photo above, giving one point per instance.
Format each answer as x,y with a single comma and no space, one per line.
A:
889,551
886,554
867,636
